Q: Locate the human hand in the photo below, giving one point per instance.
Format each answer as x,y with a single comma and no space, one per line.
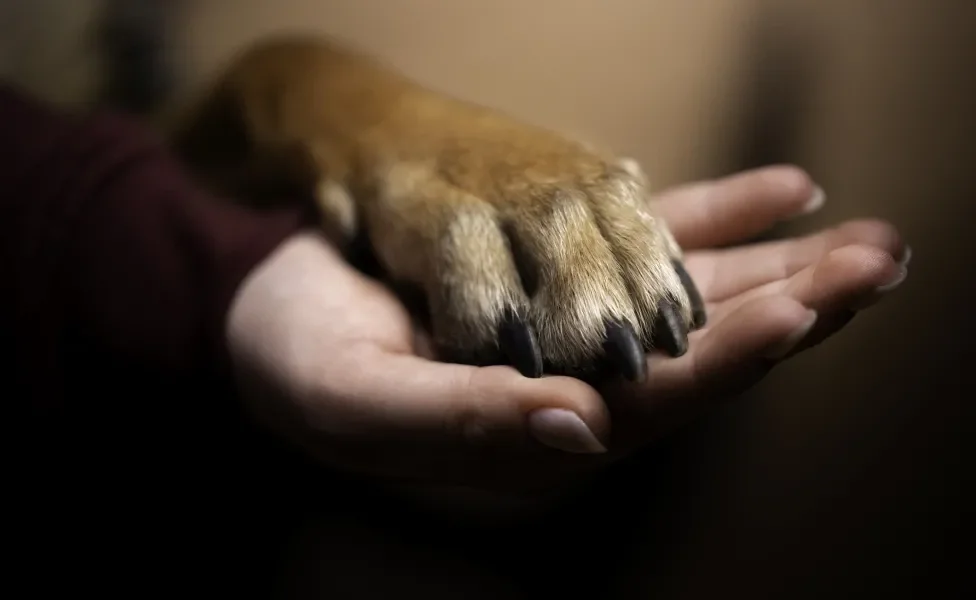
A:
332,360
766,301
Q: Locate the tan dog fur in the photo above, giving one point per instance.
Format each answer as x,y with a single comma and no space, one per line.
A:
458,199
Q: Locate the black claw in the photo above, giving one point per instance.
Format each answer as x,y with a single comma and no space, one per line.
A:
698,315
518,342
624,350
669,331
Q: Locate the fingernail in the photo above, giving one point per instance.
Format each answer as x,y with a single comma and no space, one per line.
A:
563,430
906,257
883,290
816,201
896,281
783,348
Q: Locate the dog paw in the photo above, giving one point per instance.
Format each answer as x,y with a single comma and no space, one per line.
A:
553,263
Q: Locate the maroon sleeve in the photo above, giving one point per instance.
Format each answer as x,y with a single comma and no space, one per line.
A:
118,272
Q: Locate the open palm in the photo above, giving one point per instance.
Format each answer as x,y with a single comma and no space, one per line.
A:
355,383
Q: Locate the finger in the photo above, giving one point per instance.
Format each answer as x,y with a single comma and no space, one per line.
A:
847,278
733,355
726,273
716,213
826,326
459,407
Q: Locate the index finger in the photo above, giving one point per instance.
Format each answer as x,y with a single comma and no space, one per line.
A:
738,207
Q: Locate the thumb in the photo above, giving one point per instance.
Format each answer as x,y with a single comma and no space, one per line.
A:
417,401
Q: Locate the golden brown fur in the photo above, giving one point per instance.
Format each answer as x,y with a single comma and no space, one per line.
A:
489,216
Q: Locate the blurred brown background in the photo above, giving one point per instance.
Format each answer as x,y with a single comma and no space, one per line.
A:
844,474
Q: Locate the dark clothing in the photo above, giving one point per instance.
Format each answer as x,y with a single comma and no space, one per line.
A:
112,258
117,274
